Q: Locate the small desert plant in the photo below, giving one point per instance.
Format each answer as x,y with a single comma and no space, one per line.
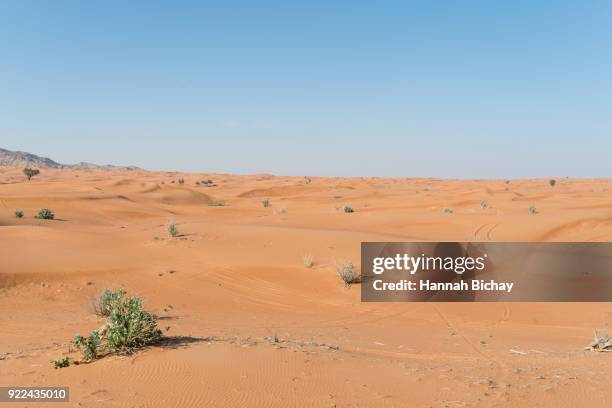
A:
19,214
29,173
45,214
172,230
129,327
483,204
90,346
348,209
346,273
532,209
308,261
216,204
266,202
104,304
448,211
181,181
61,362
197,183
552,182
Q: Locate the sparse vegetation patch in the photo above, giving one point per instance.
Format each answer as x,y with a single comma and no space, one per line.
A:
266,202
45,214
552,182
308,261
346,273
532,209
61,362
19,214
216,204
172,230
448,211
348,209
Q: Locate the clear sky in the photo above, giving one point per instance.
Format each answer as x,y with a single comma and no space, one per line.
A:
472,89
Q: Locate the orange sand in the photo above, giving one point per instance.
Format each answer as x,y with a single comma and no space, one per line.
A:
239,277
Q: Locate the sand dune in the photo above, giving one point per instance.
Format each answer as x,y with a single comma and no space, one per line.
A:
238,280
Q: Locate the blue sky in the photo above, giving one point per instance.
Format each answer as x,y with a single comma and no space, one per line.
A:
470,89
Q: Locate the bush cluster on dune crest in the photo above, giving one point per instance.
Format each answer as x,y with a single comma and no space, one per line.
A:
129,327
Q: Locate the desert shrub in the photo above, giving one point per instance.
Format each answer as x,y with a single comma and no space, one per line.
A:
348,209
552,182
346,273
483,204
532,209
104,304
216,204
266,202
45,214
308,261
90,346
29,173
19,214
181,181
61,362
448,211
128,328
172,230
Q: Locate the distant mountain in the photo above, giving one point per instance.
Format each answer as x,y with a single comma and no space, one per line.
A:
10,158
23,159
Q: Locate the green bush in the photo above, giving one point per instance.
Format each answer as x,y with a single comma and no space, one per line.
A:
90,346
19,214
448,210
61,362
216,204
104,304
348,209
552,182
172,230
266,202
532,210
128,328
45,214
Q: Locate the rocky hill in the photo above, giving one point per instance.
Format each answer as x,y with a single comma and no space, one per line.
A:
23,159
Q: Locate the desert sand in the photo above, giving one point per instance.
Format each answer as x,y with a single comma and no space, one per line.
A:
251,326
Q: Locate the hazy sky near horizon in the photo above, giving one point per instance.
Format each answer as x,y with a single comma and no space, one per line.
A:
472,89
